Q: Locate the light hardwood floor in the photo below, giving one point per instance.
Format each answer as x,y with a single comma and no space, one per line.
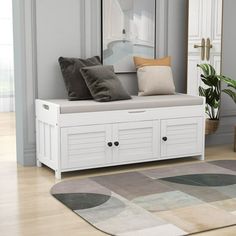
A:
28,209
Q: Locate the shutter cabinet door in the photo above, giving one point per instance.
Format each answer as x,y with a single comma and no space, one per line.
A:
181,137
136,141
86,146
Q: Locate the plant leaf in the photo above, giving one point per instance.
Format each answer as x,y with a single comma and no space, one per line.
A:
231,93
207,69
230,82
202,92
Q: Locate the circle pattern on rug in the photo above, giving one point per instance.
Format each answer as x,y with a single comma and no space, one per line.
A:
209,180
80,201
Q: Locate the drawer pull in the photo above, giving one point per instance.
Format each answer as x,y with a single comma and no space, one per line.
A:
116,144
165,139
134,112
46,107
109,144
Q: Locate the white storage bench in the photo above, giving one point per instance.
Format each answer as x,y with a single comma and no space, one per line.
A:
76,135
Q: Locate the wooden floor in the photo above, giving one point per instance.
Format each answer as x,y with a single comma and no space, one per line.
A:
27,208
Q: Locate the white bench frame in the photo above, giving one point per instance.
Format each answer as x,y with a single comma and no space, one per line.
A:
52,127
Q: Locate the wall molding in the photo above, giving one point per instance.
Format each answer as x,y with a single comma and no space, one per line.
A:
25,79
162,28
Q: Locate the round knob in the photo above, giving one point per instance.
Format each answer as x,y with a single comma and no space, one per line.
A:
109,144
116,144
164,139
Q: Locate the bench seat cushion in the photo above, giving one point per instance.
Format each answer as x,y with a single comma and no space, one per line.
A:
137,102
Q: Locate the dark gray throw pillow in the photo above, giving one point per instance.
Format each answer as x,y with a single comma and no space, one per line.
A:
75,84
103,84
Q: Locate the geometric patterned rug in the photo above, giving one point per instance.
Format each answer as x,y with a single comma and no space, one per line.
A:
167,201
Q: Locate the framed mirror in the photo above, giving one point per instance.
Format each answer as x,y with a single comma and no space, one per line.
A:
128,30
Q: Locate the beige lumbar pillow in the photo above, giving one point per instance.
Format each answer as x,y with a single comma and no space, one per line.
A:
155,80
141,62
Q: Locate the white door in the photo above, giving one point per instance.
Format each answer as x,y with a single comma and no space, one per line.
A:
181,137
136,141
204,39
86,146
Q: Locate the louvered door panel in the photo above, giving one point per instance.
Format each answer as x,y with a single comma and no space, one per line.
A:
86,146
137,141
181,137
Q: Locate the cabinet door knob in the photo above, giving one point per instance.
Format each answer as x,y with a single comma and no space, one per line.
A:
109,144
116,144
164,139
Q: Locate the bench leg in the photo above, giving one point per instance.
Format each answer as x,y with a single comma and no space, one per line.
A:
39,164
58,174
201,157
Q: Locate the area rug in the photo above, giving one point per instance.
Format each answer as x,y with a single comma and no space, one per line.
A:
167,201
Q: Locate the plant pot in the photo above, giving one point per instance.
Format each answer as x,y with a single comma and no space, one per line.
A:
211,126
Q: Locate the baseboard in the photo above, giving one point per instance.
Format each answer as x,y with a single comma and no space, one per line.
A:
218,139
225,133
30,156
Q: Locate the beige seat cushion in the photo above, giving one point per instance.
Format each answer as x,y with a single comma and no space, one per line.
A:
135,103
155,80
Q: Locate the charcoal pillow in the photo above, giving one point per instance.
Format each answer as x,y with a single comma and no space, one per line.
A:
75,84
103,84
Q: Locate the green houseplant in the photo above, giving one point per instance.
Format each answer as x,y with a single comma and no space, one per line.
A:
212,92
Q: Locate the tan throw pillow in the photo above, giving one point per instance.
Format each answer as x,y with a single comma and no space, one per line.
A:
141,62
155,80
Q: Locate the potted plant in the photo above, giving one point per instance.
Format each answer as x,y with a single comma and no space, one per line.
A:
212,92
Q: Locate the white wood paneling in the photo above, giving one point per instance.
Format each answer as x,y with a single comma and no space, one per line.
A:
47,139
205,21
194,80
216,32
196,20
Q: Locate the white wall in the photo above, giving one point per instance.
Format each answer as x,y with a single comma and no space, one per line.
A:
64,28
